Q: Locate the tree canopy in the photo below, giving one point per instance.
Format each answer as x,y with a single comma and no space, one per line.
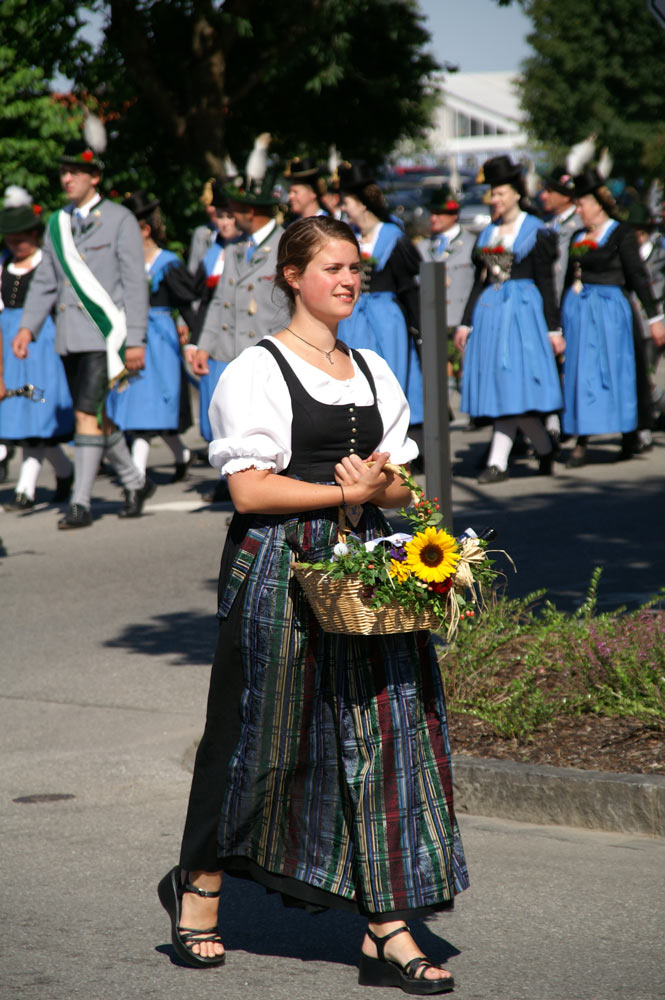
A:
183,83
598,67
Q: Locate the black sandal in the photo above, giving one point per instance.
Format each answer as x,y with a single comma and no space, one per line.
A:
170,891
383,971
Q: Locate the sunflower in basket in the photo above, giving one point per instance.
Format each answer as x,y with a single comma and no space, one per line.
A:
403,581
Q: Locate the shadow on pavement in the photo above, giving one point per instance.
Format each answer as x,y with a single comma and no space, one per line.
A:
558,537
261,925
184,639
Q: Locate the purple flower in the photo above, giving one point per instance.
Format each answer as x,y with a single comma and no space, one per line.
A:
397,552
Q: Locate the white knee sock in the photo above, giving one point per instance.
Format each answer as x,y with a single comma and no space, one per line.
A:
140,452
32,463
3,452
505,429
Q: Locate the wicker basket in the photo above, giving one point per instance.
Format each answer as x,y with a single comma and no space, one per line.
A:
340,607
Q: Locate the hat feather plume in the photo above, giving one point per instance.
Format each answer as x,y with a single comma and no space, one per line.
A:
531,182
16,197
655,198
605,163
455,179
580,154
257,161
94,134
334,160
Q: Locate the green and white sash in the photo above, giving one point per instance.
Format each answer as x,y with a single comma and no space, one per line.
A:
96,301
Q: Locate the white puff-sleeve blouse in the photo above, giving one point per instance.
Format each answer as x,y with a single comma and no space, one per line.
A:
251,415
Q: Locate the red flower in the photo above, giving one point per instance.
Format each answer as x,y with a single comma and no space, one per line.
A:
37,209
452,206
212,280
87,155
498,249
443,587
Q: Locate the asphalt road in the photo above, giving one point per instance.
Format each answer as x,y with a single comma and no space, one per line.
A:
107,635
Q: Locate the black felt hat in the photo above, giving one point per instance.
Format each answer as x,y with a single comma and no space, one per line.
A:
78,153
501,170
561,181
140,204
442,201
214,192
355,176
588,182
304,170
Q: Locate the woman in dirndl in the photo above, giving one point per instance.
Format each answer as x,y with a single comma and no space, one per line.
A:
510,330
605,376
39,427
324,769
156,401
387,316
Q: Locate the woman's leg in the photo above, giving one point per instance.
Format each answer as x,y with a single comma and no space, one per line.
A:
201,912
140,451
30,468
505,429
401,948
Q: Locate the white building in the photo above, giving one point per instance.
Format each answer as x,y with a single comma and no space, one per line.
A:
479,117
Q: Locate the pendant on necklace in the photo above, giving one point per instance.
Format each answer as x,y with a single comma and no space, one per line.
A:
327,354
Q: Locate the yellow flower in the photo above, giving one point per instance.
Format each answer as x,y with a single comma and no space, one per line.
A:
432,555
398,570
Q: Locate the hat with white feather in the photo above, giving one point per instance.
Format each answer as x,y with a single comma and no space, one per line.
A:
257,186
85,153
18,214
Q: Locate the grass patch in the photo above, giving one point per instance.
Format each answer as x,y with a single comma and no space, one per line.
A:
525,663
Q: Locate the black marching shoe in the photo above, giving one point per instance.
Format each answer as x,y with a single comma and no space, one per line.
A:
20,501
577,457
410,978
63,489
546,464
493,474
134,499
182,468
77,516
170,891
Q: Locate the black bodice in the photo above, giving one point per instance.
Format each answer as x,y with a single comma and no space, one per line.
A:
536,266
15,288
617,261
322,434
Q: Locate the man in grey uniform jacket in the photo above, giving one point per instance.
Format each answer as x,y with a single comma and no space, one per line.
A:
104,264
557,198
246,305
450,243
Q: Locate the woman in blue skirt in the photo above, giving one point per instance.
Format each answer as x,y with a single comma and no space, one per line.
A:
324,769
602,364
152,402
386,318
510,329
39,427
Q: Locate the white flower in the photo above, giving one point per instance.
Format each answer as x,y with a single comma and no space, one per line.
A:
341,549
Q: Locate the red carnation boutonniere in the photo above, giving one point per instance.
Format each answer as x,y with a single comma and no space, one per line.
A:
87,155
368,259
212,280
583,247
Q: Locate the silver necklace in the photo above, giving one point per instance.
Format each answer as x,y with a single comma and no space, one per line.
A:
320,349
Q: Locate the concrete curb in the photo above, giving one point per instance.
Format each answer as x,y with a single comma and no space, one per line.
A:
597,800
557,796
